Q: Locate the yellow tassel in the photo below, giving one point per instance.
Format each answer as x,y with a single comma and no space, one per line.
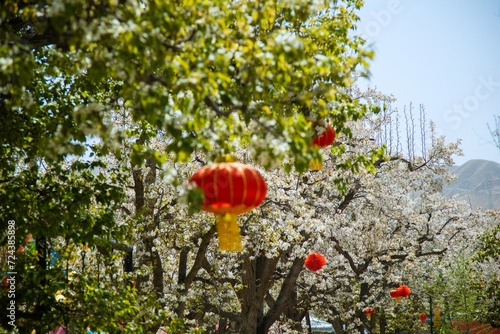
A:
316,165
398,299
229,233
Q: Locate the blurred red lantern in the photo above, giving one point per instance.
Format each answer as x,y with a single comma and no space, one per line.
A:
395,293
322,140
6,280
369,311
230,189
315,261
326,137
423,317
402,292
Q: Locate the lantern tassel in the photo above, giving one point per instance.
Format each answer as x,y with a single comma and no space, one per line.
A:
229,233
398,299
316,164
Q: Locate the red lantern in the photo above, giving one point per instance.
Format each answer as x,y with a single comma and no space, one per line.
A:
322,140
404,291
396,294
369,311
423,317
325,138
6,280
230,189
315,261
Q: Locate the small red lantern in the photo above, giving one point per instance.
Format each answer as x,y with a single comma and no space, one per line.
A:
369,311
326,137
6,280
315,261
423,317
395,293
230,189
402,292
322,140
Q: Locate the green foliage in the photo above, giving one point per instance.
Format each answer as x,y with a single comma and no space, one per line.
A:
490,248
460,290
178,325
200,71
489,255
70,201
72,292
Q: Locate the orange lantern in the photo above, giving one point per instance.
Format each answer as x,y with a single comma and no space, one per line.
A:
230,189
369,311
315,261
322,140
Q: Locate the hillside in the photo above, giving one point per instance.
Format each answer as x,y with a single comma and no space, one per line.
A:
478,182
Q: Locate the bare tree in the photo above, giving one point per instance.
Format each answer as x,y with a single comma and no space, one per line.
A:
495,131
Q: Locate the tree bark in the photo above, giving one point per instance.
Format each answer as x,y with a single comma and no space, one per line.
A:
382,323
146,210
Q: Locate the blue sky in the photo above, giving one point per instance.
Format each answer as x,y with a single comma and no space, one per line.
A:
444,54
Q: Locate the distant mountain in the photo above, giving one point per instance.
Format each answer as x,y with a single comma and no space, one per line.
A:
478,182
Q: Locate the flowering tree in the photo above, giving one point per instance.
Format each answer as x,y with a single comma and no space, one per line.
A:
377,230
382,231
111,106
211,77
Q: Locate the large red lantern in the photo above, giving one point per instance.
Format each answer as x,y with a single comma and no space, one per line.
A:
322,140
369,311
230,189
315,261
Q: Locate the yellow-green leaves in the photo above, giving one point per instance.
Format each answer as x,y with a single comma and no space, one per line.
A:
186,67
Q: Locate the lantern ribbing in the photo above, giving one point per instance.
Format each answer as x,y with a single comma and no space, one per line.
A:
230,189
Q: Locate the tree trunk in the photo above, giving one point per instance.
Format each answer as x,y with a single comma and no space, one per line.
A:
145,210
382,323
286,293
181,280
41,248
338,326
363,293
